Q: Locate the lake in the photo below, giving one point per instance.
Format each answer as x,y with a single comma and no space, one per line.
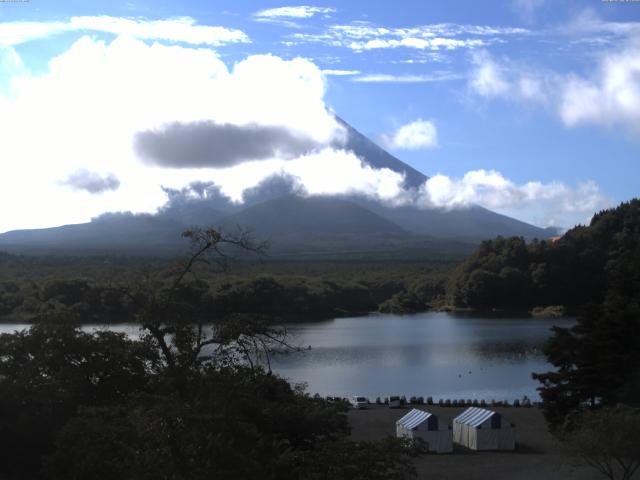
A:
429,354
436,354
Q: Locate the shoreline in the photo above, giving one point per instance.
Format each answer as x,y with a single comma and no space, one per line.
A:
290,319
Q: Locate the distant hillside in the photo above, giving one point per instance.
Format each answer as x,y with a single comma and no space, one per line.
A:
471,224
294,216
332,227
136,234
589,264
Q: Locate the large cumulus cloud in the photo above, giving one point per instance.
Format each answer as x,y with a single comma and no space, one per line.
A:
82,112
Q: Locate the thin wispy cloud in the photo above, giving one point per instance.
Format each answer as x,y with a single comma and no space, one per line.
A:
433,44
420,78
361,36
340,73
588,22
300,11
181,29
527,9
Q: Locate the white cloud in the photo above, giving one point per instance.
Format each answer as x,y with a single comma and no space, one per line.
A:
488,77
608,96
340,73
11,67
416,135
588,22
434,44
316,173
300,11
543,204
181,29
507,79
362,30
388,78
611,96
362,36
84,111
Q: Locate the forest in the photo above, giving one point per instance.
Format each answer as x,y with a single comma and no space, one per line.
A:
92,289
588,264
583,266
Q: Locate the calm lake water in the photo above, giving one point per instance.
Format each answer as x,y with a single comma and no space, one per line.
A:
430,354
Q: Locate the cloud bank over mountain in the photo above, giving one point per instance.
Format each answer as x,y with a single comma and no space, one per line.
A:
159,114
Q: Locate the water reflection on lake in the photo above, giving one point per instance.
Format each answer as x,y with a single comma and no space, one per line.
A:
437,354
429,354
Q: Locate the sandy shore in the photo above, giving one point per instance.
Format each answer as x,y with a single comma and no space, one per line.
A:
536,455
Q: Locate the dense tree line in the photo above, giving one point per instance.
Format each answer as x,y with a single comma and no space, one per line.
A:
586,265
35,289
181,402
598,360
593,270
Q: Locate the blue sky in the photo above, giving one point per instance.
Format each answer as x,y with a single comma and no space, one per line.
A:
529,107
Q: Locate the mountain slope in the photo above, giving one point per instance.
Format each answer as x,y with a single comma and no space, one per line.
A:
333,227
140,234
468,224
378,157
303,217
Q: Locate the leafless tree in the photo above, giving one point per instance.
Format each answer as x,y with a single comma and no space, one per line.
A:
188,340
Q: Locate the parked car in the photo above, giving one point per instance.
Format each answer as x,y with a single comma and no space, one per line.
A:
394,401
359,402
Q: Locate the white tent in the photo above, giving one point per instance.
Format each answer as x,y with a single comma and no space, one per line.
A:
425,425
480,429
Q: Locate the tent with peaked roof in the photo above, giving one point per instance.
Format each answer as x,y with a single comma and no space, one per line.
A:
481,429
425,425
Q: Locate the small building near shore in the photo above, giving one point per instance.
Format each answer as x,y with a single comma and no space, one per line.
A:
481,429
425,425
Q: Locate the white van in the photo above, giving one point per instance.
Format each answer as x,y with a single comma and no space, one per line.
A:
359,402
394,401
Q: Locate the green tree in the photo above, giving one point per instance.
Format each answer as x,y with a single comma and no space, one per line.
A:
48,372
596,361
605,440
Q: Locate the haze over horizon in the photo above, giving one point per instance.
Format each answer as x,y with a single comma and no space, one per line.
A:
526,107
